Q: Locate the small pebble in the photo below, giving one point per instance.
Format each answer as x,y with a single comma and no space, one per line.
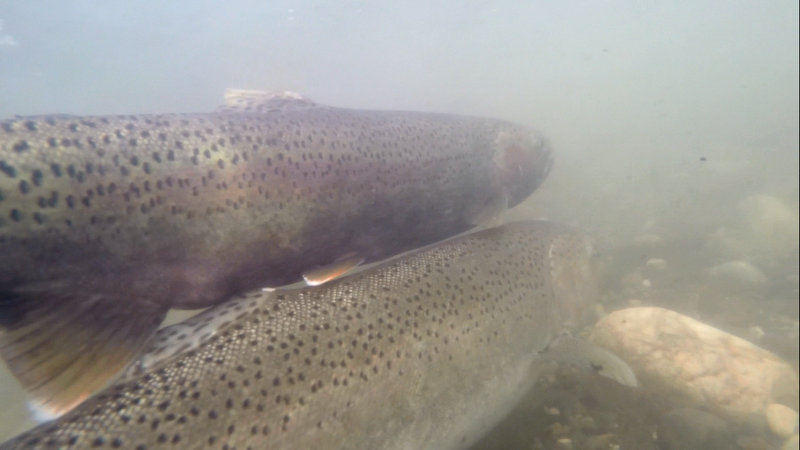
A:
646,283
564,443
781,419
656,263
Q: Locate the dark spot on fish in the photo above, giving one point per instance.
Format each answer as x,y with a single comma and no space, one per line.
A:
66,142
71,201
36,177
86,201
145,134
24,187
703,158
52,142
116,443
171,155
21,146
194,160
146,168
71,171
111,188
38,218
56,169
212,414
8,170
15,215
124,170
31,126
156,157
98,442
221,164
73,127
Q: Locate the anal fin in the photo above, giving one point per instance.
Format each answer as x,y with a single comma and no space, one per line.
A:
63,346
336,269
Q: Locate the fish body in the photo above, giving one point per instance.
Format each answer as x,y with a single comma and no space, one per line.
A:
106,222
426,350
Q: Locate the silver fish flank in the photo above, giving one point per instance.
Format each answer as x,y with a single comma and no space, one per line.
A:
427,350
107,222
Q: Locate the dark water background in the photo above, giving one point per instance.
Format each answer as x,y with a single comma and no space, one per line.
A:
675,126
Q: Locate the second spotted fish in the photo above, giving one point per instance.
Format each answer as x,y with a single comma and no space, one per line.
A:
107,222
424,351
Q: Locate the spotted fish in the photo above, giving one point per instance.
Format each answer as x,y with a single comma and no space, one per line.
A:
107,222
426,350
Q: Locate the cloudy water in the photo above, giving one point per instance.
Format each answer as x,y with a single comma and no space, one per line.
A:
674,127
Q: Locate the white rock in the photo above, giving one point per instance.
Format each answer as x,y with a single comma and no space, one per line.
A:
741,273
781,419
680,356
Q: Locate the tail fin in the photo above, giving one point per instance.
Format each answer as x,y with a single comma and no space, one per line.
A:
63,345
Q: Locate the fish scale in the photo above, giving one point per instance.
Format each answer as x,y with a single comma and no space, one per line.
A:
426,350
107,222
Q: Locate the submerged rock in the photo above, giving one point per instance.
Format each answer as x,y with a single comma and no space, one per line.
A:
687,359
738,274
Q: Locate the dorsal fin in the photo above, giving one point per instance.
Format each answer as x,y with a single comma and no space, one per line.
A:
189,334
244,100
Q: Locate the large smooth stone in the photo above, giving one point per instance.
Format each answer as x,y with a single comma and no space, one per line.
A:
692,361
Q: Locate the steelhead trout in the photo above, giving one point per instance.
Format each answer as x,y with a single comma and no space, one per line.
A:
107,222
424,351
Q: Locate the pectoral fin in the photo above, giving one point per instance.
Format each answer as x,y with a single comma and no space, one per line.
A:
487,214
63,347
577,352
323,274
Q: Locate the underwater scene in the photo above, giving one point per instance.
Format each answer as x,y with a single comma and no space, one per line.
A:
482,225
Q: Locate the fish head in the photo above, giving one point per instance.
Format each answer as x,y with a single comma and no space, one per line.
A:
523,160
572,259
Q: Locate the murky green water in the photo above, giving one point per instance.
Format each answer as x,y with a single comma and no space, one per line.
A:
674,126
